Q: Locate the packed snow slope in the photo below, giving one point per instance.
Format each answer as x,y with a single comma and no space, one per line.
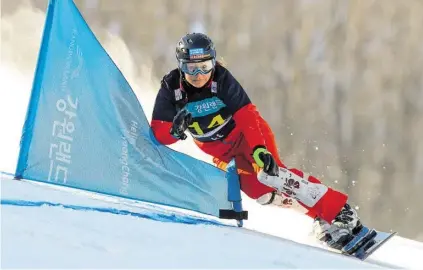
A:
45,226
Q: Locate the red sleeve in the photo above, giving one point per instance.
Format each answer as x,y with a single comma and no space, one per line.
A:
248,119
161,132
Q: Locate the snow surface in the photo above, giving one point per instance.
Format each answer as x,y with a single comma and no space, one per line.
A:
46,226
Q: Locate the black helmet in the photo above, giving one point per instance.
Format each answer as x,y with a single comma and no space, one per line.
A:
195,47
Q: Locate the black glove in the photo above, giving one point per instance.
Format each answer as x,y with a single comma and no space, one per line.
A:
265,160
181,121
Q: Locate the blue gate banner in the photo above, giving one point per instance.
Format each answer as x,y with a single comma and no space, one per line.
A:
86,129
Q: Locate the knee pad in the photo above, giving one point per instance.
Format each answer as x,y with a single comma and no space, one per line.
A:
281,200
294,186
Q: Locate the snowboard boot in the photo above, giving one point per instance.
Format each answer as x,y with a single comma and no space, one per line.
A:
342,230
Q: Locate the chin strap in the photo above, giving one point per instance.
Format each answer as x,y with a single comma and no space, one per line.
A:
181,98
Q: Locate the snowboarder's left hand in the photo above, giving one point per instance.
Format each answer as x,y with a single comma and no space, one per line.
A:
265,160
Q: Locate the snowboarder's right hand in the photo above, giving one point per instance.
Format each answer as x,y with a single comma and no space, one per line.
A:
181,121
265,160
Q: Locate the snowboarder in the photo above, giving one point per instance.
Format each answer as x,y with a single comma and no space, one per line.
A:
202,97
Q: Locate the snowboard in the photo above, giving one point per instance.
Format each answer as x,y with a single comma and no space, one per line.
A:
365,242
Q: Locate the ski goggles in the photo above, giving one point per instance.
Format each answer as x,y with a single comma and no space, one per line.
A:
195,68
